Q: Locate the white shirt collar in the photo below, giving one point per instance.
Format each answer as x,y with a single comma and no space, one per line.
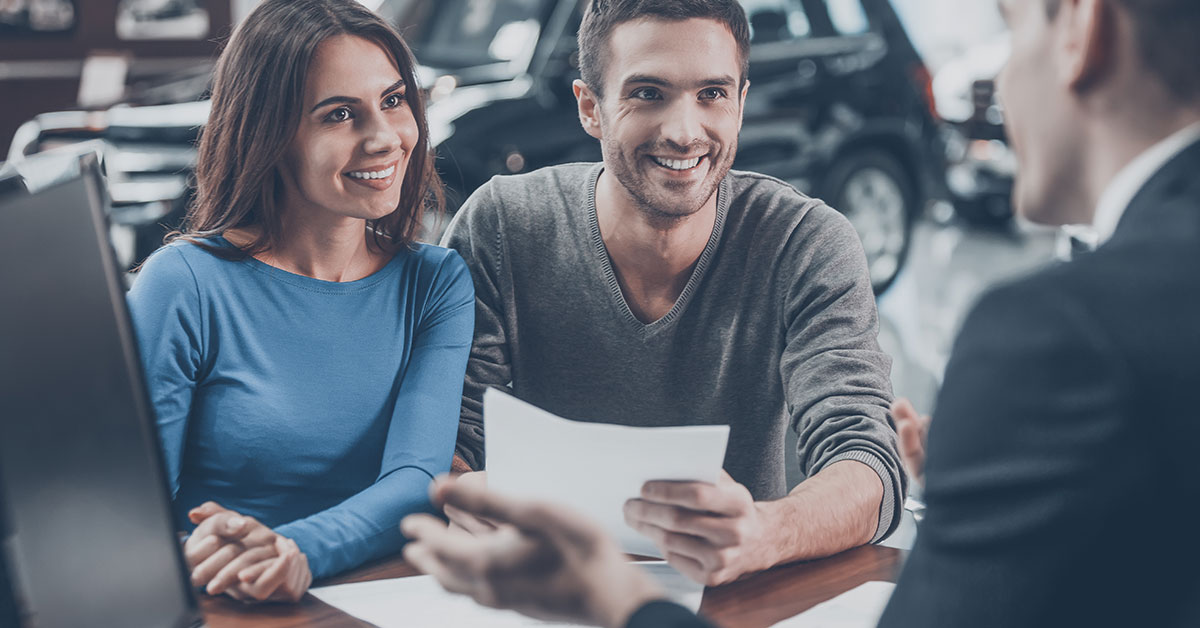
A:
1134,176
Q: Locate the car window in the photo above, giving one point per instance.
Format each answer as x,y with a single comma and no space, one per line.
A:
776,20
456,34
848,16
36,17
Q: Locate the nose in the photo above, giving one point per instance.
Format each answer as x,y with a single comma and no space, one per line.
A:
683,125
380,137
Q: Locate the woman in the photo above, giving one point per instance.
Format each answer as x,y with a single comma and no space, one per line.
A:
305,357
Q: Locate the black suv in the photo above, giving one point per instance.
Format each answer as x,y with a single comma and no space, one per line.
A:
840,105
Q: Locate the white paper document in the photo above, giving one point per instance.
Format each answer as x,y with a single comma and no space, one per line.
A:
859,607
592,468
420,602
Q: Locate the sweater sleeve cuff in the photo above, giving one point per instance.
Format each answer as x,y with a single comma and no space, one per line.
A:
887,507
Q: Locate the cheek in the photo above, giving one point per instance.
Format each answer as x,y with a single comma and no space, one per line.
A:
408,131
317,160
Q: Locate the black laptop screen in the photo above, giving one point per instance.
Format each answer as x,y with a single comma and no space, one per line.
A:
91,541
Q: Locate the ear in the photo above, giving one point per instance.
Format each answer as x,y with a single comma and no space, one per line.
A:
742,103
1087,40
589,108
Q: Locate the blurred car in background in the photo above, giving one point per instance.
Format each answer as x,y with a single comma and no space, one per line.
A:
841,106
980,164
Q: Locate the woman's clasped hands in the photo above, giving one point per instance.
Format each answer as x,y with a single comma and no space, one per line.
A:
237,555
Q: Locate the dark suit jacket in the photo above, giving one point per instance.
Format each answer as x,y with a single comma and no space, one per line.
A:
1063,484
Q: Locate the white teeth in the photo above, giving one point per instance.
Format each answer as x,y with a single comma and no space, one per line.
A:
677,164
380,174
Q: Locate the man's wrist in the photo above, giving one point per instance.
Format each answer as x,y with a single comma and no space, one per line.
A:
773,545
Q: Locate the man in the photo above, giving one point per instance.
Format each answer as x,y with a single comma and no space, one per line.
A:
1061,487
660,288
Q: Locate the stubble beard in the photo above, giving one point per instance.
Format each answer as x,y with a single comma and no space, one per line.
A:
659,212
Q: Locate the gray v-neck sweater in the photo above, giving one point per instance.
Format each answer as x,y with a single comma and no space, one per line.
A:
776,328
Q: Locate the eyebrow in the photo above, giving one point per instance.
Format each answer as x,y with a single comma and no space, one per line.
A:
650,79
353,101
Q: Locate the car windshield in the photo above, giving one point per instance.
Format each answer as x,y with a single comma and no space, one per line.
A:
457,34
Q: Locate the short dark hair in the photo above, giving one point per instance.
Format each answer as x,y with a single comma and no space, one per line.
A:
602,16
1167,39
257,98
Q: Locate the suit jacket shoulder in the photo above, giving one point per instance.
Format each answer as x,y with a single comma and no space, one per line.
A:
1060,483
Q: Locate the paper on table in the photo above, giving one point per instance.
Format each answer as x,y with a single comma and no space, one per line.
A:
859,607
420,602
592,468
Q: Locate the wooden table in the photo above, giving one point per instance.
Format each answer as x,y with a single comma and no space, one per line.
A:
754,602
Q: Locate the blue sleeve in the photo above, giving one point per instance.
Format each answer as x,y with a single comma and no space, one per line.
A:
164,305
420,440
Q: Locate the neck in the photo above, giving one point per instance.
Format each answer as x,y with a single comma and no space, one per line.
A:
336,249
653,256
649,248
1120,131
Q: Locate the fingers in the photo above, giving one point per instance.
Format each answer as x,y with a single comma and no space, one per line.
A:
564,526
203,573
671,542
199,547
724,498
911,429
421,527
912,447
226,524
424,559
223,528
228,575
249,574
432,551
688,566
468,522
682,520
286,578
451,548
299,577
204,511
269,580
902,408
471,498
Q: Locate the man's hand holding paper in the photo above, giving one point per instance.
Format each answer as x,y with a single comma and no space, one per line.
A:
712,533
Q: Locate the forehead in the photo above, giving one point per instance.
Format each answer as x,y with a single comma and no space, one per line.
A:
347,65
680,51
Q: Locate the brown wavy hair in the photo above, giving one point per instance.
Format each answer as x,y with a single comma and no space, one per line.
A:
257,97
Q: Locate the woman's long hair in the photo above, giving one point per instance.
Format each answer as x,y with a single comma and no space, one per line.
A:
257,98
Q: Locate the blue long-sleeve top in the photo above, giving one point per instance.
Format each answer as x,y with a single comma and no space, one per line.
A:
323,409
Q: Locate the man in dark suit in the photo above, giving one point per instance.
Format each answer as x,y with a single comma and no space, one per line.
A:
1061,488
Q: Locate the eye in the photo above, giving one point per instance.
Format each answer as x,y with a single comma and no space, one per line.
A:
645,93
341,114
395,99
712,93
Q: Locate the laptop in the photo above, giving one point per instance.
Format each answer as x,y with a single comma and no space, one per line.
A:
87,533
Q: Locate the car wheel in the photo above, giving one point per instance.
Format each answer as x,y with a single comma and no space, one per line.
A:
872,190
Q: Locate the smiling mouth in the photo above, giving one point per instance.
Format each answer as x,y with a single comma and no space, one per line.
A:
367,175
678,165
